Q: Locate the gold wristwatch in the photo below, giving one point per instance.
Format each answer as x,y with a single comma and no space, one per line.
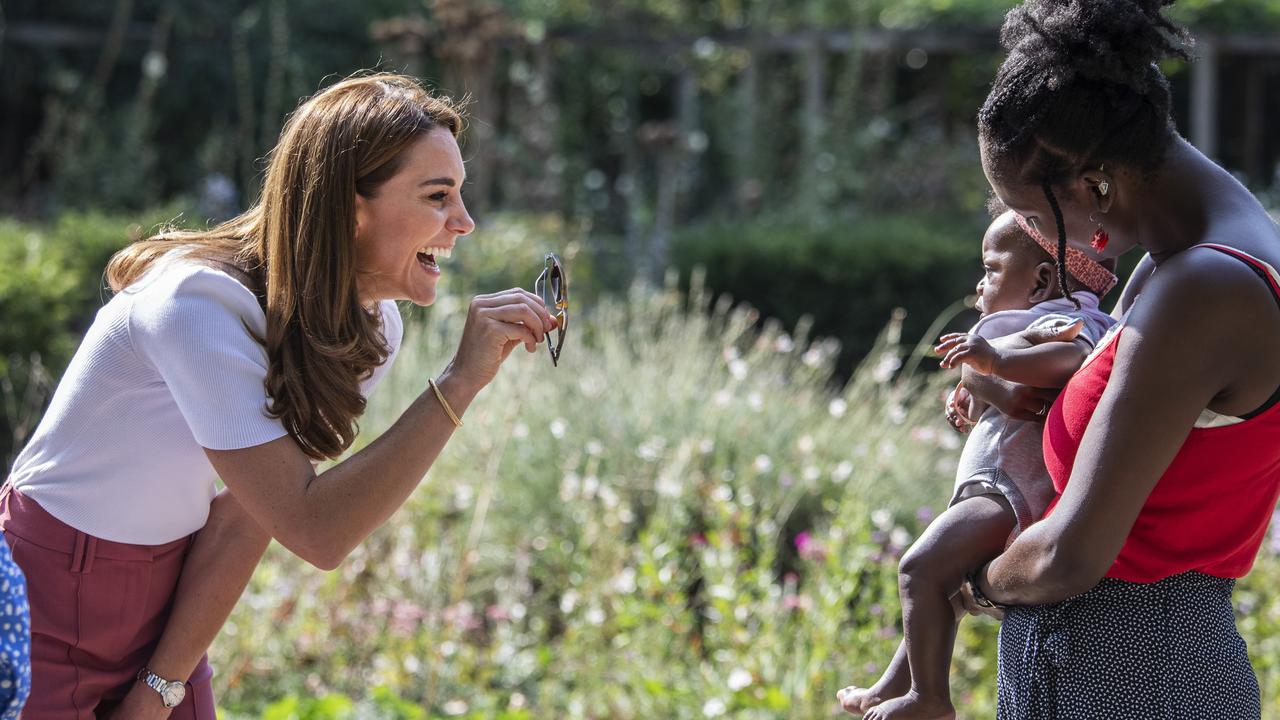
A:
171,691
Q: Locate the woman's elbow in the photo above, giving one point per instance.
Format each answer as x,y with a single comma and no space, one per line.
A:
1066,572
321,550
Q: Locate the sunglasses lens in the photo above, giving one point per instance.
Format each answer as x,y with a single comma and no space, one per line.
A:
557,285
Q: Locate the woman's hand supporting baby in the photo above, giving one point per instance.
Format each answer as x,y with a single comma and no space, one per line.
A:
1033,365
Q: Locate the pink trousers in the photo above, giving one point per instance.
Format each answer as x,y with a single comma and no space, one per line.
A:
97,611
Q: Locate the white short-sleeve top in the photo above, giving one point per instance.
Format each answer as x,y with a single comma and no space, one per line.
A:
169,367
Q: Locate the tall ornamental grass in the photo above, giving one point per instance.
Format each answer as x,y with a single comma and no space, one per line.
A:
684,520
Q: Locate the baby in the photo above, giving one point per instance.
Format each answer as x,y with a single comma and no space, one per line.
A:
1001,483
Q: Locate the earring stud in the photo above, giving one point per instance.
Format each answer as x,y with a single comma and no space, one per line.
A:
1103,187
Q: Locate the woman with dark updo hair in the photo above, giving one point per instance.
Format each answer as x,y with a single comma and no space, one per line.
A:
1165,446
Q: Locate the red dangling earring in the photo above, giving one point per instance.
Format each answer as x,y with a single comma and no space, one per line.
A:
1100,239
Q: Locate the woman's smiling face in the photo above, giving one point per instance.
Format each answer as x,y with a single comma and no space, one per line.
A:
411,222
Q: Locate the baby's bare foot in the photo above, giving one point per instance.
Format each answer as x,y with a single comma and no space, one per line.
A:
858,700
912,706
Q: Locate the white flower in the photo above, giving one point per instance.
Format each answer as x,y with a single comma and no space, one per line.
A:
455,707
842,471
707,446
838,407
805,444
594,448
625,581
738,679
595,615
569,486
882,518
519,430
720,592
667,486
568,602
811,473
784,344
714,707
462,496
755,401
887,364
763,463
738,369
897,414
652,448
722,398
558,426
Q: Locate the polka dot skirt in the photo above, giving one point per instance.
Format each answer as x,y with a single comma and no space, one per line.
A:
1159,651
15,637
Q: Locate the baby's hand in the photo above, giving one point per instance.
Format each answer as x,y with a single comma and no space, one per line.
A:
968,349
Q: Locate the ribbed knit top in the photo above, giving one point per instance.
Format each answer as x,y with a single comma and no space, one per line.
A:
168,368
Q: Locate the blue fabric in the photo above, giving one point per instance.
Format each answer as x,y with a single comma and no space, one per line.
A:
15,637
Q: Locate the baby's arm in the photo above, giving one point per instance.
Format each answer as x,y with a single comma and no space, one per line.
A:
1045,365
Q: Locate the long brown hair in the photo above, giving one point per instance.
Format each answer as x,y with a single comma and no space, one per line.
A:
294,248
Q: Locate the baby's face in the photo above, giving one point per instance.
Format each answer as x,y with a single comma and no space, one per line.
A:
1009,270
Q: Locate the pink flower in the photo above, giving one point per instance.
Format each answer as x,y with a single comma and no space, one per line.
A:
809,548
797,602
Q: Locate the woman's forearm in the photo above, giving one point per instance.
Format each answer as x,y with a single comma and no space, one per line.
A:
1036,570
321,518
357,495
217,570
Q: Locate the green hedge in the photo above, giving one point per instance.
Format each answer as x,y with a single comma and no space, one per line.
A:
847,273
51,286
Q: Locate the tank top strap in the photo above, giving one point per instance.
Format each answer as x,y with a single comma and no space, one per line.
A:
1263,269
1268,274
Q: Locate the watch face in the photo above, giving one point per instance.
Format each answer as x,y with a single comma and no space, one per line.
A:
173,693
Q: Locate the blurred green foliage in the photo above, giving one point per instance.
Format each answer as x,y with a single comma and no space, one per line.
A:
51,285
846,273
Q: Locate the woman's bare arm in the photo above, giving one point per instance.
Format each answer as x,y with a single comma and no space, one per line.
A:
1158,388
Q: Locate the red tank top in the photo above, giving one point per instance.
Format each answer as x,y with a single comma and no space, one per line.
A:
1210,509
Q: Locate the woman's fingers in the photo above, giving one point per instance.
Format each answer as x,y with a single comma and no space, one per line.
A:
518,296
1055,333
1031,403
972,607
517,314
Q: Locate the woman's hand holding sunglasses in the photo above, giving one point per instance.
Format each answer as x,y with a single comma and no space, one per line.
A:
496,325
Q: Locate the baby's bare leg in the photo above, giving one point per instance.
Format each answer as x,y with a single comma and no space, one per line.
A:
968,534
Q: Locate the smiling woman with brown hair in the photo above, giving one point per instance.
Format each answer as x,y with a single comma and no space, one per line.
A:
245,352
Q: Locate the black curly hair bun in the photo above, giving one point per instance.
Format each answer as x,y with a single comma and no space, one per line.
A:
1082,85
1112,41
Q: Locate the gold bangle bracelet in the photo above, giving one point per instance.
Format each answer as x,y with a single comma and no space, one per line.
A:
444,403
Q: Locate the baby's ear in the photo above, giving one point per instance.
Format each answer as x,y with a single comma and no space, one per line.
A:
1046,287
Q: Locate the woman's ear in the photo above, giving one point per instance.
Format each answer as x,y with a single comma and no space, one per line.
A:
1046,287
1101,186
362,213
